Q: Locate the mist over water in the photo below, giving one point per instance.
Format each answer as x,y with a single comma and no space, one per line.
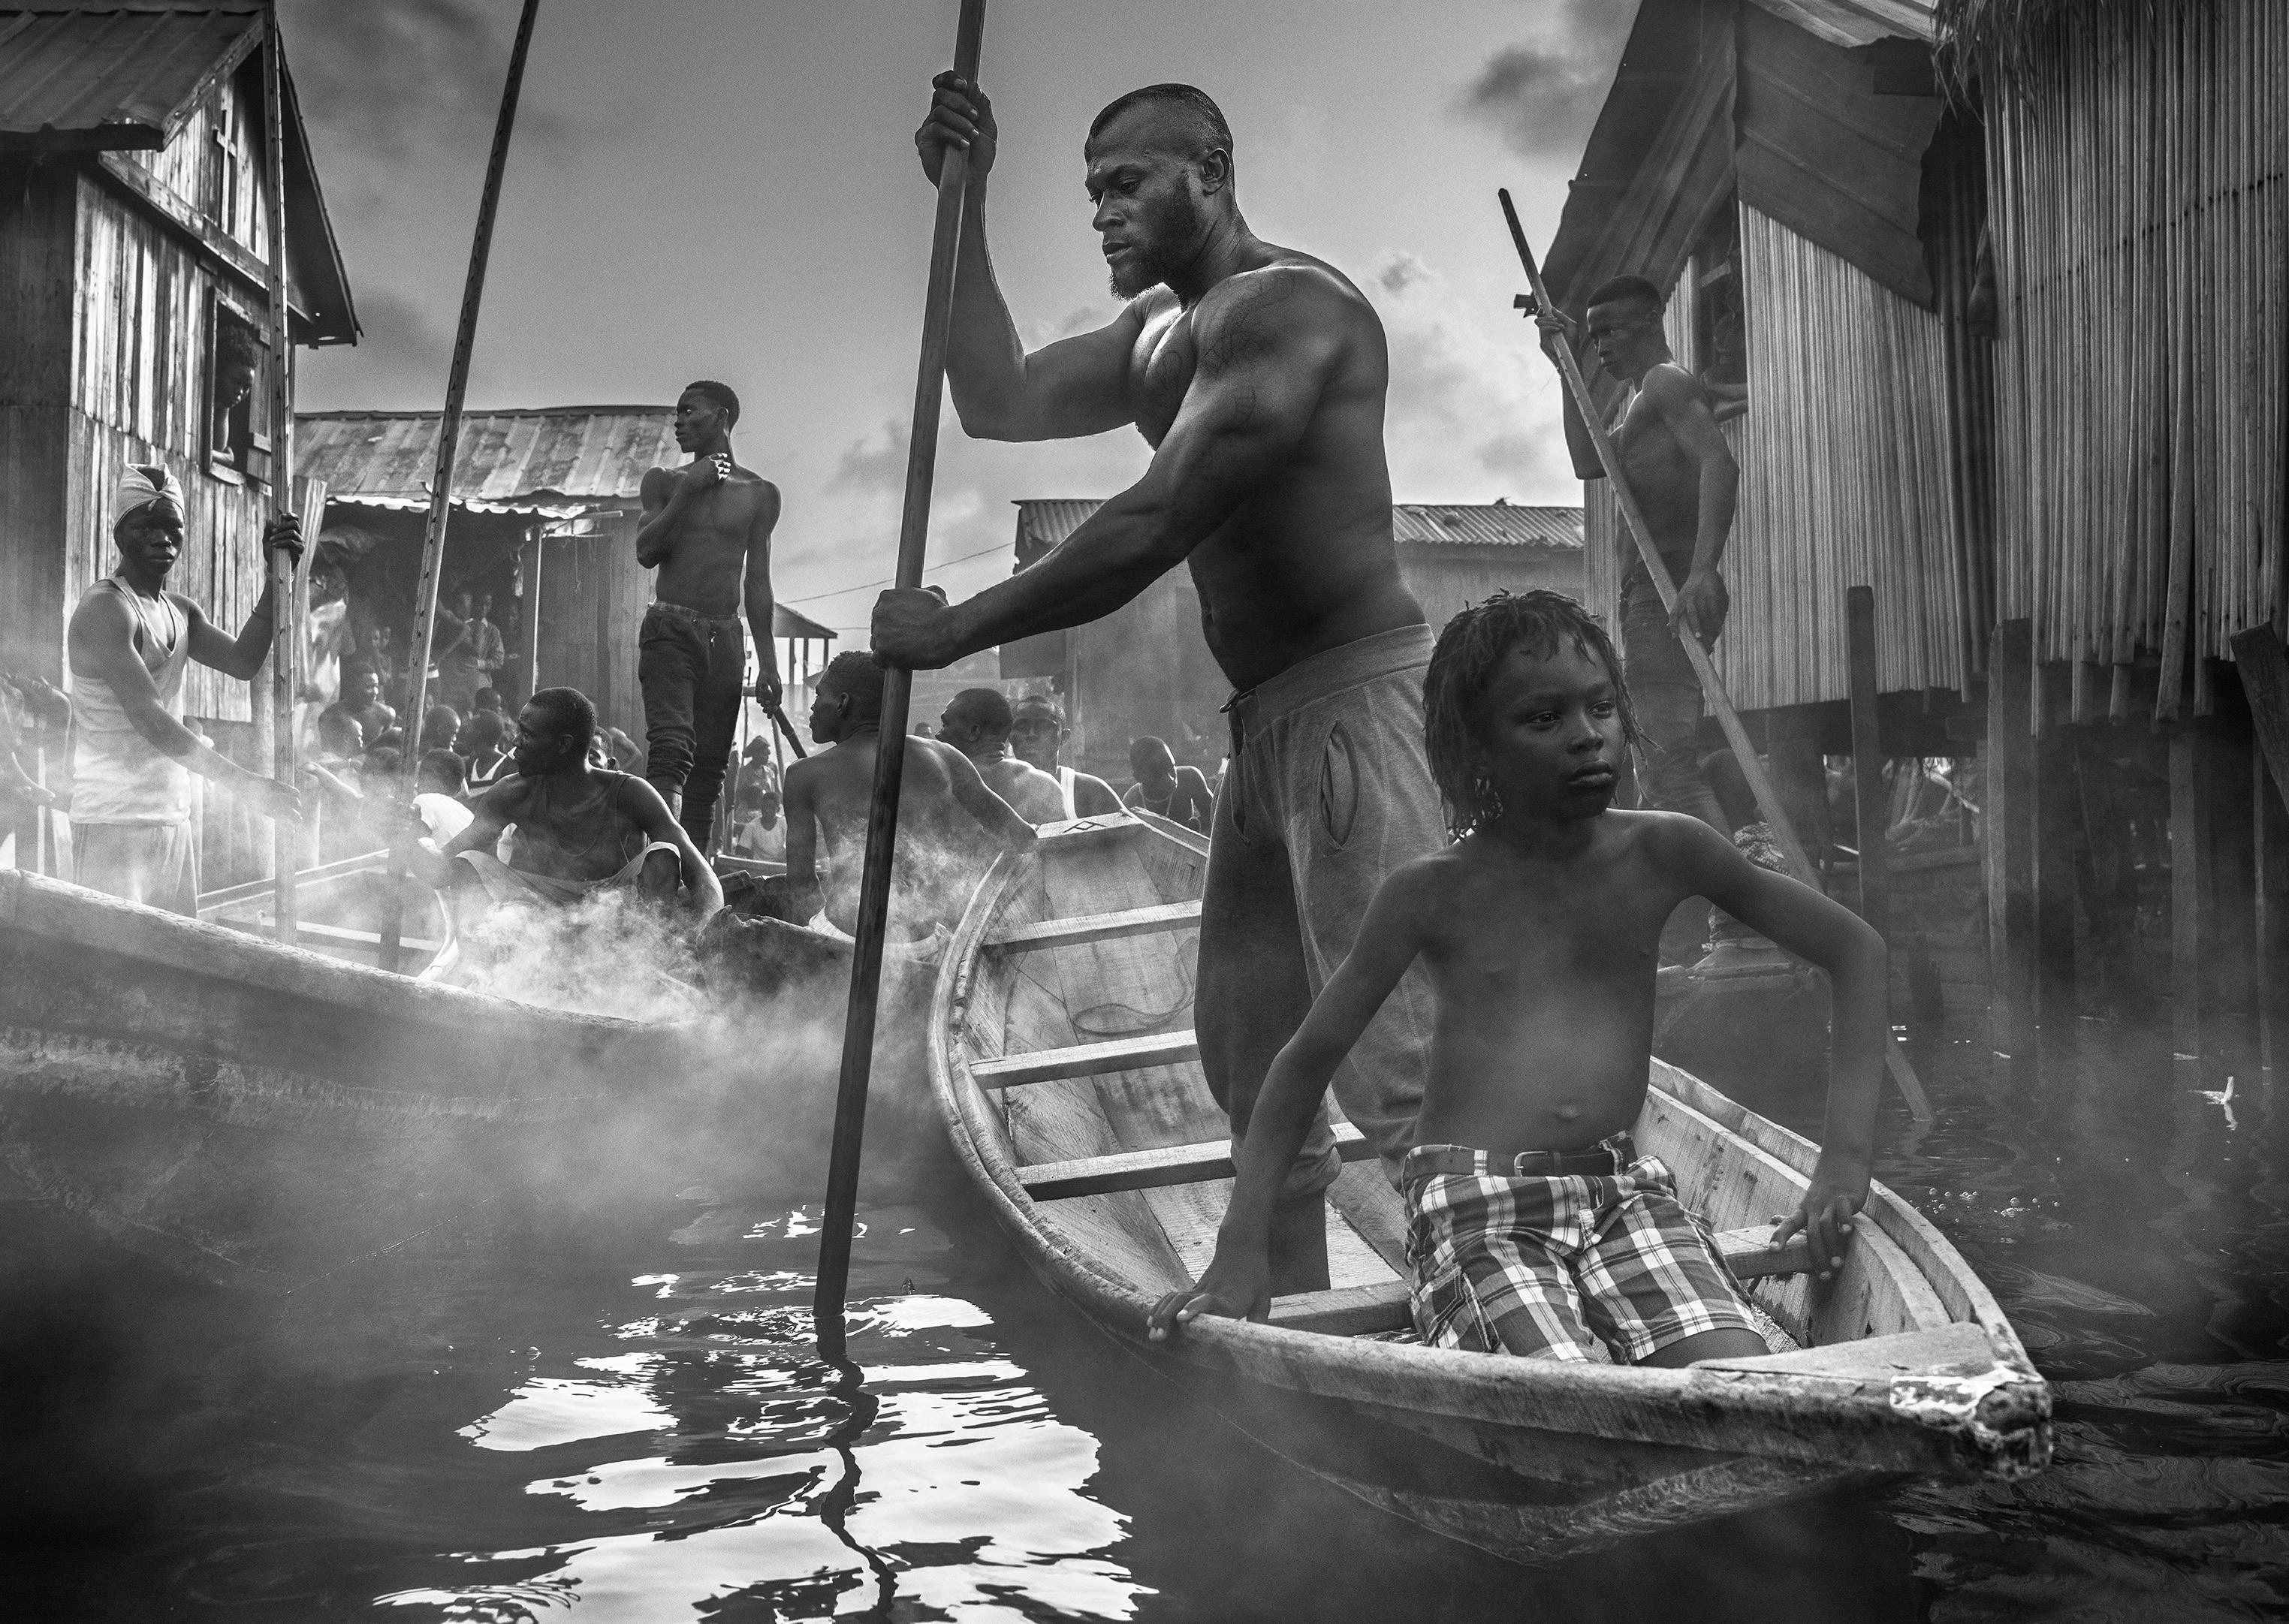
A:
617,1415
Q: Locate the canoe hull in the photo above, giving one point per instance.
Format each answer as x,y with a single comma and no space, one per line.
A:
1529,1459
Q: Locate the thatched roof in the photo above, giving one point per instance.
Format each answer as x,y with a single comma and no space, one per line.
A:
2001,39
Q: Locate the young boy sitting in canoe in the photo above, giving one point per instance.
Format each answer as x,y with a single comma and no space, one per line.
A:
1533,1225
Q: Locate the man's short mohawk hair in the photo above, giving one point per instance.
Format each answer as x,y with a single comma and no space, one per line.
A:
1196,101
1472,645
853,671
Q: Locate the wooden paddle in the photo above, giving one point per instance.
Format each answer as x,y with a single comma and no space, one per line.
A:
890,753
786,731
1713,686
441,479
287,603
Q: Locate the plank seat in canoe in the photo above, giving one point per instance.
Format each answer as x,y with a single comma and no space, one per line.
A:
1063,1062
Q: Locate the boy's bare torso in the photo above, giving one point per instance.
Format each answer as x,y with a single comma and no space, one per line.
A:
707,565
1306,563
1545,974
585,834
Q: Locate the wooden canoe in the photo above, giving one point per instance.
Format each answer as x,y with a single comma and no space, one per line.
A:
1063,1060
258,1115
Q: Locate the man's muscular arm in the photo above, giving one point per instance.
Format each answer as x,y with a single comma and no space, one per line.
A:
1268,340
977,797
241,656
801,811
1682,403
643,807
1077,386
755,591
668,496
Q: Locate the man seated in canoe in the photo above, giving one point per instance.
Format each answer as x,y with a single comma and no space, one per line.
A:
1037,735
580,830
950,823
976,722
1533,1225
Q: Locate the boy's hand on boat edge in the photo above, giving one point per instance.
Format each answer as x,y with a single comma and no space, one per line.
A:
1826,1220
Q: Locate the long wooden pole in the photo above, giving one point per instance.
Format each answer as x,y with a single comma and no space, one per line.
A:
1713,686
890,752
286,599
449,438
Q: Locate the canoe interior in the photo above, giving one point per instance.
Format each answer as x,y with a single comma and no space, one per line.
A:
1734,1168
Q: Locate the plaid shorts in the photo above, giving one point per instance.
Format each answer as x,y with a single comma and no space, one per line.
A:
1614,1261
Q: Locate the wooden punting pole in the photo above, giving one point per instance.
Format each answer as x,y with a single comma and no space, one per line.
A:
286,598
440,481
1713,686
890,753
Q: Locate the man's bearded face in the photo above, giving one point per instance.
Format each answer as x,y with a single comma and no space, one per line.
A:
1163,232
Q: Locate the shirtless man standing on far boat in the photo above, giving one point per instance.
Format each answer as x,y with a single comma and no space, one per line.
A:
944,804
707,527
581,829
1258,375
1533,1225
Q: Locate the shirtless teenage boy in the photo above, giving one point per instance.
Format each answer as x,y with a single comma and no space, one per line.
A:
1685,482
975,721
1163,788
1037,735
1534,1226
1258,374
943,808
707,529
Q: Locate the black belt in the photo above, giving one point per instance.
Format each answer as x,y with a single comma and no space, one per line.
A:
688,613
1599,1161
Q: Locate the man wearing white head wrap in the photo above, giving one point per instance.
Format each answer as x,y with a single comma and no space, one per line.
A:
131,756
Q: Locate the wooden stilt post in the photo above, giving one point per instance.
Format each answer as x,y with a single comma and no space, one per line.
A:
2193,889
2264,670
2056,802
890,753
287,602
1713,686
2009,842
440,483
1872,795
530,555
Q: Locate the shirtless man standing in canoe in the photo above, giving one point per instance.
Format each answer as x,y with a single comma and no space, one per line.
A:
706,529
1258,374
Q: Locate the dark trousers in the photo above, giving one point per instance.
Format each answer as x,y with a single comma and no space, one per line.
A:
1666,697
690,666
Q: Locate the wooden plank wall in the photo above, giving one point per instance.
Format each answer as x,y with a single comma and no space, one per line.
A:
37,216
593,596
2145,459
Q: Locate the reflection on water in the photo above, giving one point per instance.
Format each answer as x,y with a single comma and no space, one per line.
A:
627,1424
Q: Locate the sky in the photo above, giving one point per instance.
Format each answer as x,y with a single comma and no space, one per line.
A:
727,188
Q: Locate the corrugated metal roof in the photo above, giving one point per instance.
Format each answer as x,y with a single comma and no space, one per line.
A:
120,76
553,460
1043,522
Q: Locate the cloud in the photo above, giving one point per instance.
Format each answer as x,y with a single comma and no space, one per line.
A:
1543,97
1471,416
389,77
873,462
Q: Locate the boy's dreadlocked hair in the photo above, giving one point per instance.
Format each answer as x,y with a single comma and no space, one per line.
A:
1463,664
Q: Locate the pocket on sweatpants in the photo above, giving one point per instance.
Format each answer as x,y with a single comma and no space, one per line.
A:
1339,786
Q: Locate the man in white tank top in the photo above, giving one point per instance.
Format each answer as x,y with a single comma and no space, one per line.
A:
1037,734
131,755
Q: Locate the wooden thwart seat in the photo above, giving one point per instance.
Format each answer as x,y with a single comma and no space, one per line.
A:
1087,1060
1365,1310
1098,927
1176,1164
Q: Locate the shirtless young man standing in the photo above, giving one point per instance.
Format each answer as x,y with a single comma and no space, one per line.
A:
975,721
1685,482
707,529
1258,375
1037,735
943,807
